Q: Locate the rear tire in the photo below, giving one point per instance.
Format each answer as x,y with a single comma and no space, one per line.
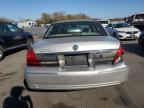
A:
29,42
1,52
141,43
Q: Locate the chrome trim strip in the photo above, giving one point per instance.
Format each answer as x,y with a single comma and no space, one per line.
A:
18,46
78,52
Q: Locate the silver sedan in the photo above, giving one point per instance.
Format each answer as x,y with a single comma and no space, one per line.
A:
75,55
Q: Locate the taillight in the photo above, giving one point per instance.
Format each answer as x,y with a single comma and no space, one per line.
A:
119,55
31,58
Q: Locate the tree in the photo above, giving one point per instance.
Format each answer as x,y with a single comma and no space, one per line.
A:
3,19
45,18
59,16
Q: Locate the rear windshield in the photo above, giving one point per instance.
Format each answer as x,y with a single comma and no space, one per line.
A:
70,29
140,16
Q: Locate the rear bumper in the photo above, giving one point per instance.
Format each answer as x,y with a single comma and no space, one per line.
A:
70,80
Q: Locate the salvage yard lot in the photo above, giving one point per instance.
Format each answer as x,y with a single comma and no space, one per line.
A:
127,95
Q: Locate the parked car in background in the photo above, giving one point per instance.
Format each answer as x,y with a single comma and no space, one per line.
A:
75,54
112,32
136,20
123,31
26,23
12,37
104,23
141,40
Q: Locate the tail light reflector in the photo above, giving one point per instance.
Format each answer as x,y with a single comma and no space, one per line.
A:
119,55
31,58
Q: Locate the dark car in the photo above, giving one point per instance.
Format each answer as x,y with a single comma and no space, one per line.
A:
12,37
136,20
141,40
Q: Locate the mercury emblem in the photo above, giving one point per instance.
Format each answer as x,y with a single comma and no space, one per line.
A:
75,47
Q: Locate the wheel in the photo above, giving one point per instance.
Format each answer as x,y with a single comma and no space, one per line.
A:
29,42
1,53
141,43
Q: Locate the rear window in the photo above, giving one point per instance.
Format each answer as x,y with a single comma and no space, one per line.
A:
140,16
134,18
70,29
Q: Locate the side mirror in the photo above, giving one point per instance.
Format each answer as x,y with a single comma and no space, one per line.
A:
110,26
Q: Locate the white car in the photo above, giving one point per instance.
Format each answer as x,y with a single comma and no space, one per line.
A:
123,31
104,23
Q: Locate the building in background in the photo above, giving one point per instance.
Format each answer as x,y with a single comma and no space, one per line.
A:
26,23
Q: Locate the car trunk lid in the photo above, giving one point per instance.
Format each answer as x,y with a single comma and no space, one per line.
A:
87,51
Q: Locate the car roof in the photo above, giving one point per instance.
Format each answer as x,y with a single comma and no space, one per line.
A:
139,13
103,20
120,23
66,21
